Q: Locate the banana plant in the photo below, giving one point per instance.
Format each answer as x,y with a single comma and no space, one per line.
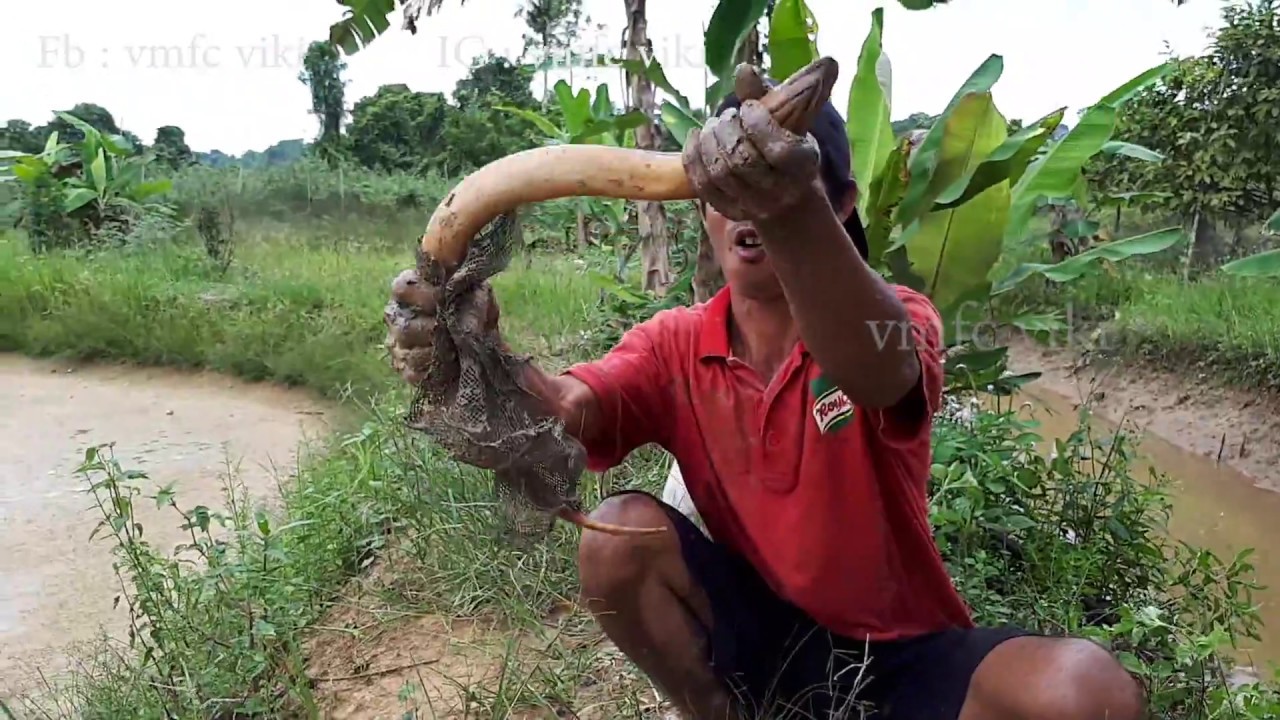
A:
1263,264
364,21
86,178
940,210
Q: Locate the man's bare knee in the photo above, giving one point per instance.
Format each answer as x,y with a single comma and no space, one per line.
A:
610,564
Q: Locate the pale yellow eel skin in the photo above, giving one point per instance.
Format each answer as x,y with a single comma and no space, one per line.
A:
559,171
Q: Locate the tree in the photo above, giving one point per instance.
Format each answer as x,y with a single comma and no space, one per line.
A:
494,74
552,25
322,69
398,130
476,132
20,136
914,121
652,215
1210,108
93,115
171,147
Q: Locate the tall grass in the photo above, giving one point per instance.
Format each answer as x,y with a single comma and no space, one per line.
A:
1223,325
294,309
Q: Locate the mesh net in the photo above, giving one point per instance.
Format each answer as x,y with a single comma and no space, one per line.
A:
471,401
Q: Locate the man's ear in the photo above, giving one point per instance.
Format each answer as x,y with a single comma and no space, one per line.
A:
848,203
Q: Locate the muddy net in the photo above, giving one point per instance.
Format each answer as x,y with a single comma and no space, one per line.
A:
472,404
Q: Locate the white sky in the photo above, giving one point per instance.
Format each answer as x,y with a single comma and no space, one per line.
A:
230,76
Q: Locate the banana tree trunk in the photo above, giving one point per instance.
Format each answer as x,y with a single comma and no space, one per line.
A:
652,216
707,277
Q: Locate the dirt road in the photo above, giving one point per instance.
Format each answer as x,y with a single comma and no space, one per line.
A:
56,587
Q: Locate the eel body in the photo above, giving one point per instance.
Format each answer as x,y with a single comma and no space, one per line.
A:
559,171
581,520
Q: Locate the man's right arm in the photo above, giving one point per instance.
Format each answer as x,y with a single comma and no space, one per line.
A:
611,405
615,404
565,397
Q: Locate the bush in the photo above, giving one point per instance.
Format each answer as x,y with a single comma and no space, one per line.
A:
1074,544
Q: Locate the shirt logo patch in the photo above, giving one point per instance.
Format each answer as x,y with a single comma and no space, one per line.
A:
832,409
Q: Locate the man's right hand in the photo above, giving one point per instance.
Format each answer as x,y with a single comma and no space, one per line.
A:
411,320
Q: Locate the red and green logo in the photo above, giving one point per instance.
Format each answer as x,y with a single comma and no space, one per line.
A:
831,407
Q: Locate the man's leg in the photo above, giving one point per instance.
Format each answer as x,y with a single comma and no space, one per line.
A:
642,594
1044,678
1007,674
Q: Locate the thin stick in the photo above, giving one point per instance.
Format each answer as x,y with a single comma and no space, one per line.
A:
375,673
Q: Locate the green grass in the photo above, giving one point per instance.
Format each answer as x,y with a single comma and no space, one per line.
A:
296,309
302,304
1226,326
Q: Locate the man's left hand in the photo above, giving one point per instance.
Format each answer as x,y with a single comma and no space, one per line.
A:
747,166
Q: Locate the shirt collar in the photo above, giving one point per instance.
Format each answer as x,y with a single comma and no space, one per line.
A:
713,341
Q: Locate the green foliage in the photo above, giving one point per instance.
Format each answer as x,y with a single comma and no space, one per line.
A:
1070,543
792,38
400,130
942,209
914,121
72,192
1074,543
730,24
1224,104
553,26
951,249
362,21
871,139
20,136
1067,543
171,149
279,153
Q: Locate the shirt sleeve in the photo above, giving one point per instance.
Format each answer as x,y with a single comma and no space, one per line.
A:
912,418
634,389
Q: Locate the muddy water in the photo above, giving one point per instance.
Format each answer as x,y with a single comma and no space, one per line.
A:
1214,506
56,586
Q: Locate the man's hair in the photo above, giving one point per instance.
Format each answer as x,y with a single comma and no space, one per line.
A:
836,164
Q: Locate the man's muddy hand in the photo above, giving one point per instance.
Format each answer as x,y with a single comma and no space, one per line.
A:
411,321
747,166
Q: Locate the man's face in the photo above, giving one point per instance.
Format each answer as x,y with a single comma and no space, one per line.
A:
741,256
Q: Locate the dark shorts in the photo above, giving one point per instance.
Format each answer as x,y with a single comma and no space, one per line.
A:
780,663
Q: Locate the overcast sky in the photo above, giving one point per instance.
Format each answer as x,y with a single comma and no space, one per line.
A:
226,71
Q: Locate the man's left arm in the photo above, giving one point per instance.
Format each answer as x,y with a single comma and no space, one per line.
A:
854,323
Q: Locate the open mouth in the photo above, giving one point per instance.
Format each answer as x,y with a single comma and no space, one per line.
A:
747,245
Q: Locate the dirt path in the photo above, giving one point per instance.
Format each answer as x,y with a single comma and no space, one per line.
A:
56,587
1237,428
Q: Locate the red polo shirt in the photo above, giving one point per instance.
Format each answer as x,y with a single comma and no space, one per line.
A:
836,521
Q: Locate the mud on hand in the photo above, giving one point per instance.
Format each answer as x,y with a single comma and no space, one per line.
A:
410,316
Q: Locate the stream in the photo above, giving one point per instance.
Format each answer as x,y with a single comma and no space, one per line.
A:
1214,506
